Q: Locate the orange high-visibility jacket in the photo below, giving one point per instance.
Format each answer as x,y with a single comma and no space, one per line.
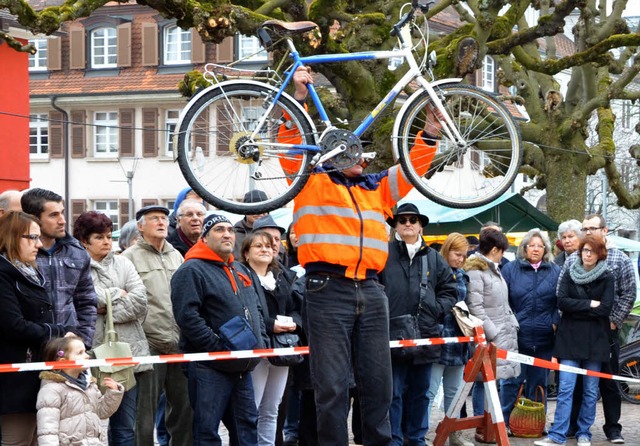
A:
340,221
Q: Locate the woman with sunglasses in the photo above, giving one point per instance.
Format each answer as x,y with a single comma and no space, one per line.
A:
26,324
585,297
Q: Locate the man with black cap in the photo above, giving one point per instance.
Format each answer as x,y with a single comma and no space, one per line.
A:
419,283
245,226
156,261
220,291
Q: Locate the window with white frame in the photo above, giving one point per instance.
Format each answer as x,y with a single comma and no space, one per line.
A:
106,134
104,48
38,61
110,209
177,46
629,114
488,74
249,47
170,123
39,135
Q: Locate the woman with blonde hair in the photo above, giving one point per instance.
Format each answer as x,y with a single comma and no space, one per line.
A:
450,367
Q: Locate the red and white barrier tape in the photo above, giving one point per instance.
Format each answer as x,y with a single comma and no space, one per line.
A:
265,353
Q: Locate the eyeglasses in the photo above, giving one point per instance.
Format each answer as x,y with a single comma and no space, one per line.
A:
591,229
587,251
32,237
192,215
535,246
403,220
223,229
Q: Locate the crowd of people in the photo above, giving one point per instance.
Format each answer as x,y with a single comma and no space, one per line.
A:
191,282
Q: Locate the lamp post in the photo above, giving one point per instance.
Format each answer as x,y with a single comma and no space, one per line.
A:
129,174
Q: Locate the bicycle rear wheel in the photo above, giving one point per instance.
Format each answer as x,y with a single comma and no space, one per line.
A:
630,391
220,161
469,175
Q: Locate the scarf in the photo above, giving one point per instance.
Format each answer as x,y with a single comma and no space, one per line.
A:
27,271
81,381
582,277
268,281
412,248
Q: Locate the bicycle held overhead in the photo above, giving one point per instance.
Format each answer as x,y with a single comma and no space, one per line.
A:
243,134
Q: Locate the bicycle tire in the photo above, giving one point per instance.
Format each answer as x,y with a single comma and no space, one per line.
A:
211,147
469,176
630,391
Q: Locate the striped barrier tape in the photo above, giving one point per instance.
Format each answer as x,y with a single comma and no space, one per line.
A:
265,353
191,357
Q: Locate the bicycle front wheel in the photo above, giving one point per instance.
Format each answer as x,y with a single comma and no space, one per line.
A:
630,391
461,175
223,162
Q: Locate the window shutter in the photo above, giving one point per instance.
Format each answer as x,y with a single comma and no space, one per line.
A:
201,137
56,134
123,212
127,141
54,59
223,134
77,208
124,45
149,132
197,47
149,202
78,140
149,44
76,47
225,50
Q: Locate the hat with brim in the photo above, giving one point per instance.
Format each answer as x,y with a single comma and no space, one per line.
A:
267,222
151,208
408,209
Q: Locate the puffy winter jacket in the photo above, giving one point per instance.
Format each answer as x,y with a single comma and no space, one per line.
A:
68,275
70,415
156,269
111,276
532,296
488,299
206,293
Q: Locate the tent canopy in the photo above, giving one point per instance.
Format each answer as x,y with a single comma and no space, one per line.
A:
511,211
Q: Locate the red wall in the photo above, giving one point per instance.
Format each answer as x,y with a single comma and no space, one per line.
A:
14,120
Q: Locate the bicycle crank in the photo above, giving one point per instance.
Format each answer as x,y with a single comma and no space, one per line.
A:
346,146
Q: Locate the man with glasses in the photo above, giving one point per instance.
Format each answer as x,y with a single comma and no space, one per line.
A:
220,290
64,263
156,261
622,267
189,220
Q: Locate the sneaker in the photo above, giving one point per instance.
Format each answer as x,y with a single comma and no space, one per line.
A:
616,439
584,441
547,442
456,439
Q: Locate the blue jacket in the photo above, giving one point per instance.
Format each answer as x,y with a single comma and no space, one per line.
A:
532,296
67,271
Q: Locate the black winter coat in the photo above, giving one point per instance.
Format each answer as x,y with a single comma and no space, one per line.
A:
403,282
280,301
27,322
583,332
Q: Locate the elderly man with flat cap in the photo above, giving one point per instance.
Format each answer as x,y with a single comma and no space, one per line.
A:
156,261
418,282
221,293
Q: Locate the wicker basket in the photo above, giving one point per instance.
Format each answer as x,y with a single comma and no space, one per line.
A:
528,417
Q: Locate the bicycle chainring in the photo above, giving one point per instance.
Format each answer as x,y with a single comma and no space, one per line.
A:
337,138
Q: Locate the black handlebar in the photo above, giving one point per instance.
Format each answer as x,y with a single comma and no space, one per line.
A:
415,4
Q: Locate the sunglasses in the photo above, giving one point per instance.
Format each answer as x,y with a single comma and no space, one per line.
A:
403,220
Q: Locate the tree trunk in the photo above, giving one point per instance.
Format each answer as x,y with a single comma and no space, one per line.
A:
566,176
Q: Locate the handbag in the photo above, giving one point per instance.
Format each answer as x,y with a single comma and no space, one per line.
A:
112,348
528,417
285,340
465,320
237,334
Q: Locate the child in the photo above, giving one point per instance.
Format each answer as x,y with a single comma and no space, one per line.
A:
69,406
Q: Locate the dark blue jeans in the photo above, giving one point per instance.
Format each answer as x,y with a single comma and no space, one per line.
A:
348,331
122,423
534,377
211,393
410,402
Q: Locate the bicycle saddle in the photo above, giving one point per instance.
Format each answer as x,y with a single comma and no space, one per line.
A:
291,27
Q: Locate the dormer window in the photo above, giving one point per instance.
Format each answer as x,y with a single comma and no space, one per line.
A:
104,48
177,46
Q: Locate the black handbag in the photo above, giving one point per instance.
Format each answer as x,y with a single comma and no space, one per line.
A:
285,340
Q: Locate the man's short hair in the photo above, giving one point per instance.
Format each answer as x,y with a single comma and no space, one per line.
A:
33,200
603,223
190,202
490,224
5,198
